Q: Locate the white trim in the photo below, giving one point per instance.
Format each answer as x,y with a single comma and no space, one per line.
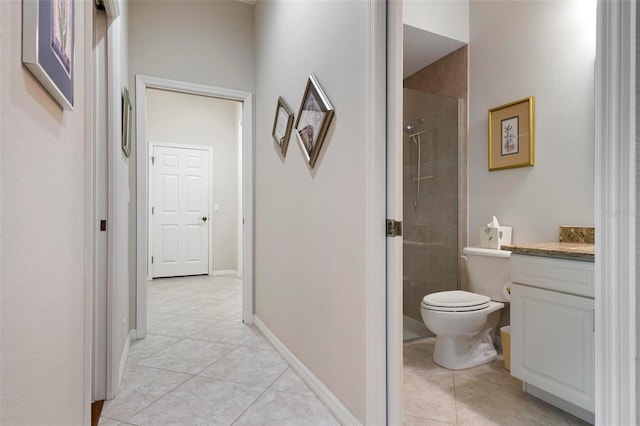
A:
142,83
226,272
375,199
114,111
394,211
333,404
125,354
209,149
89,193
560,403
615,192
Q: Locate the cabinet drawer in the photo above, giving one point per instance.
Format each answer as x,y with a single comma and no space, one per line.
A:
567,276
552,343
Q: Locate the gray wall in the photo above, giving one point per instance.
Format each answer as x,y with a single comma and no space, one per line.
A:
310,239
42,239
204,42
541,57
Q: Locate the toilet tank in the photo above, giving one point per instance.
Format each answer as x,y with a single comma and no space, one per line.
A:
488,271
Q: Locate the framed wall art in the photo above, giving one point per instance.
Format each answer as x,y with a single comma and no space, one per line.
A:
126,123
48,46
313,120
282,125
511,135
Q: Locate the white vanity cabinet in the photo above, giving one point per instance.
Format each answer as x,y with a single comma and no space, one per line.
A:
552,331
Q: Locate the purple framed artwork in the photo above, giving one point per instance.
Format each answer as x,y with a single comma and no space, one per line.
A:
48,46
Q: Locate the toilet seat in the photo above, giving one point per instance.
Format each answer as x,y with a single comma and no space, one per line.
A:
455,301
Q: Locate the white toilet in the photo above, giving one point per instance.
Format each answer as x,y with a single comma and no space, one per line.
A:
464,322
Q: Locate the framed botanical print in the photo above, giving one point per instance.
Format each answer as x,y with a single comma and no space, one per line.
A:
511,135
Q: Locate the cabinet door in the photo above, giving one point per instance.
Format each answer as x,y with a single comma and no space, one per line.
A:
552,343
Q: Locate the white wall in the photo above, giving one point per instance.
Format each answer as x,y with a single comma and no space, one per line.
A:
184,119
449,18
310,237
42,240
549,53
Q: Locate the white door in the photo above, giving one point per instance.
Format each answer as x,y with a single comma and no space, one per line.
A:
180,211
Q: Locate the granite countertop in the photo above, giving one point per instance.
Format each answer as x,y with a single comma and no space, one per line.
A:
573,251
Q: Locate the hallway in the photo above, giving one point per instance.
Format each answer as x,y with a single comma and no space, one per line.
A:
200,365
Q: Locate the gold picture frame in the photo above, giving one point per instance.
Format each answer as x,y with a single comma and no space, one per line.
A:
511,135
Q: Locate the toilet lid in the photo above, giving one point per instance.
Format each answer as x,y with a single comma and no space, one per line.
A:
455,300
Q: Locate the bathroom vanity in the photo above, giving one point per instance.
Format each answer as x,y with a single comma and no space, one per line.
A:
553,324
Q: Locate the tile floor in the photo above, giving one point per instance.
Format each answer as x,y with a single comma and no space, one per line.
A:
200,365
484,395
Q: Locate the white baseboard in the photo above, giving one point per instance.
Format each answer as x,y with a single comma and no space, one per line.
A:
125,355
333,404
222,272
570,408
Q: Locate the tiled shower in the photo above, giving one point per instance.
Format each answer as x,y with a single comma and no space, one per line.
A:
430,192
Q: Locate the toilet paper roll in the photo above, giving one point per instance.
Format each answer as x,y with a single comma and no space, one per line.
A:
506,291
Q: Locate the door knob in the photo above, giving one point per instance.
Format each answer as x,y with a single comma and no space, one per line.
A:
204,218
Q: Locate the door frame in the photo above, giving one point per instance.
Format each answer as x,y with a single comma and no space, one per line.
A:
246,98
395,390
208,149
113,370
616,211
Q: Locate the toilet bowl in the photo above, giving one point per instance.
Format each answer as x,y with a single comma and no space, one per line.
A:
464,322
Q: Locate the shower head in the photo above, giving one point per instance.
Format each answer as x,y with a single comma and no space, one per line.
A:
412,127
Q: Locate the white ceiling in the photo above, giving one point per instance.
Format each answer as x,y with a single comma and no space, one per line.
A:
422,48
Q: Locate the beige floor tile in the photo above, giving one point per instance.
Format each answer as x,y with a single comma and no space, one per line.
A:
484,403
284,409
188,356
249,366
419,356
290,382
429,396
214,311
200,401
182,326
417,421
108,422
140,387
150,345
230,332
258,341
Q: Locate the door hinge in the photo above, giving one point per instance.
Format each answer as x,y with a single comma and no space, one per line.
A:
153,160
151,259
103,225
394,228
152,210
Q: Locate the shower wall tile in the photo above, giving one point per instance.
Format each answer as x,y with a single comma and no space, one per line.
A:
440,222
447,76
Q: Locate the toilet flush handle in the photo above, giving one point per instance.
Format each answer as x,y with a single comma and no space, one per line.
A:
465,257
